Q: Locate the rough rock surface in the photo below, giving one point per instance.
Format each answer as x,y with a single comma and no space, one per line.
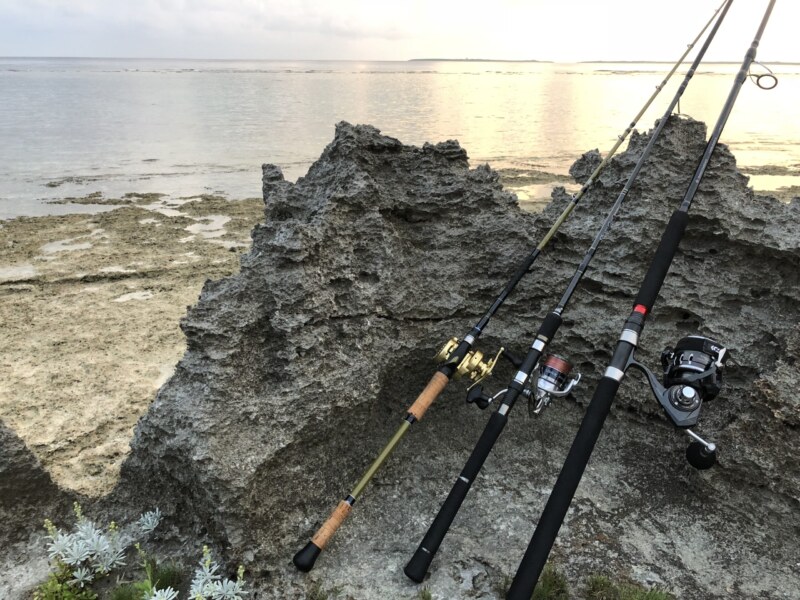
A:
300,367
28,496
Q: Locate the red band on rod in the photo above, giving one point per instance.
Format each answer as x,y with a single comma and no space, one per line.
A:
640,308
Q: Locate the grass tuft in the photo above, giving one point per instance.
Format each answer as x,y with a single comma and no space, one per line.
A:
599,587
424,594
552,586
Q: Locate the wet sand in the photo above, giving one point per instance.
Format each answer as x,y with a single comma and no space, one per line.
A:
90,307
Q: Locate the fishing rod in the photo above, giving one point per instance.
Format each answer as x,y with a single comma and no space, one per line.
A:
457,358
553,379
681,397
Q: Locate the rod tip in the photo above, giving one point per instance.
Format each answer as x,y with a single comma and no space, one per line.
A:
305,559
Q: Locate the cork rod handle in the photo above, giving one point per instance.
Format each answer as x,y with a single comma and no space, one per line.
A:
431,392
305,558
329,527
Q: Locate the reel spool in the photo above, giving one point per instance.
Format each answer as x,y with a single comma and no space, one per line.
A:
695,362
692,373
474,367
553,381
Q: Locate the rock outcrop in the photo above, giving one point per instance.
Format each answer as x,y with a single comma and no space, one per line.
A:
28,496
300,367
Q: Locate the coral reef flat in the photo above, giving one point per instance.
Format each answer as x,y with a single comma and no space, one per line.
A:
90,307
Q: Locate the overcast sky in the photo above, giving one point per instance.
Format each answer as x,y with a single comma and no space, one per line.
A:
559,30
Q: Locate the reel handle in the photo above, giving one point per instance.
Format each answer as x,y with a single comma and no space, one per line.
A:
418,566
666,398
513,358
700,457
476,396
700,453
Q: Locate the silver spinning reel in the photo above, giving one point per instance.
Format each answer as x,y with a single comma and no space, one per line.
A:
552,381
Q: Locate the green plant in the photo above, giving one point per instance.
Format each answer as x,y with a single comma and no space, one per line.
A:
169,575
316,592
59,586
158,576
425,594
84,554
126,591
158,581
207,584
599,587
552,586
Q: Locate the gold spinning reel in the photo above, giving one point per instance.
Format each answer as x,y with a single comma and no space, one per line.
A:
473,366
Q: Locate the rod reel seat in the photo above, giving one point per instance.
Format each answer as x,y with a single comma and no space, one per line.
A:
692,373
473,366
553,381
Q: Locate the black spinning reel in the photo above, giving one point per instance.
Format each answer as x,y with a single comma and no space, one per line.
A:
553,381
692,374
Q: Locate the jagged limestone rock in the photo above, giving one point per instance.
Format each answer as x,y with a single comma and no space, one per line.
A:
582,168
300,367
28,496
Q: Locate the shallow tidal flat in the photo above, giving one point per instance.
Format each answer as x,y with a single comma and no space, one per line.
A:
533,186
90,307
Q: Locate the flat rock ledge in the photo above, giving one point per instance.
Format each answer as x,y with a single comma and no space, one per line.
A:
301,366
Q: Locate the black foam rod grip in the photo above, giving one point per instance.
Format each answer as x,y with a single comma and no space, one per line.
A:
561,497
657,272
550,326
417,567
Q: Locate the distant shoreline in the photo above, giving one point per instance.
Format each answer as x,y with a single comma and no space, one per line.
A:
311,60
477,60
585,62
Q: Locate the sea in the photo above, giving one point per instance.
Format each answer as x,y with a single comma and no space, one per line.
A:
104,128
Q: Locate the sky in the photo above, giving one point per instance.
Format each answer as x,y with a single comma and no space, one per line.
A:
556,30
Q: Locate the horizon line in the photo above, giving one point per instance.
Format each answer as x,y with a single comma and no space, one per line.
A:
438,59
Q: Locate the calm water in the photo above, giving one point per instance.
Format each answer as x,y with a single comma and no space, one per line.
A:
71,127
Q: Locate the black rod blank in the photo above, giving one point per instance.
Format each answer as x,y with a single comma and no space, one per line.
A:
555,510
418,566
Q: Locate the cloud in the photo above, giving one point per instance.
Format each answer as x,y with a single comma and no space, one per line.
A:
353,19
203,28
359,29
